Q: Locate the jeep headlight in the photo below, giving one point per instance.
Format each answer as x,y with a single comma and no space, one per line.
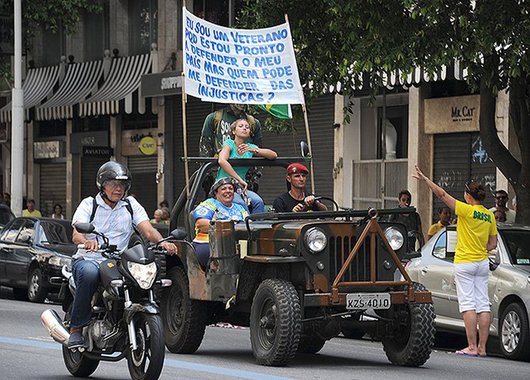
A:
394,237
59,261
144,274
315,240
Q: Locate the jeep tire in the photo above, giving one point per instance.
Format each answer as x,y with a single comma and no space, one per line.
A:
413,338
275,322
184,319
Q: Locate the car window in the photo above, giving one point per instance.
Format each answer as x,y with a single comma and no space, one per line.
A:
518,243
10,232
51,232
26,233
440,248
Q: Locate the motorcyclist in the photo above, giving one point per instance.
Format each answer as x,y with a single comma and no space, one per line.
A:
114,215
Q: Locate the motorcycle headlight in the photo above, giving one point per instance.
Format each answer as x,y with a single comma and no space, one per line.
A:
315,239
59,261
144,274
394,237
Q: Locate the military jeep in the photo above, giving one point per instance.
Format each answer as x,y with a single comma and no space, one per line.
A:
294,278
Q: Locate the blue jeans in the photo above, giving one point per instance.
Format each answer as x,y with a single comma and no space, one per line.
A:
256,202
86,277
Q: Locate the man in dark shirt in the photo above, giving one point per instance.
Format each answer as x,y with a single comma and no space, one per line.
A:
411,220
296,199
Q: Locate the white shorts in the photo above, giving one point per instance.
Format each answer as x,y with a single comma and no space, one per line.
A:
472,286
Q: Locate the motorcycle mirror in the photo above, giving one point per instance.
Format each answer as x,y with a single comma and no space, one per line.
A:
84,228
304,149
179,234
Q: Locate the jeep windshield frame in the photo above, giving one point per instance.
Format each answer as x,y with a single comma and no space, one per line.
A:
185,204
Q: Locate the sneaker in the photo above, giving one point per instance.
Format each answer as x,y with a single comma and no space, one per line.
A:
76,340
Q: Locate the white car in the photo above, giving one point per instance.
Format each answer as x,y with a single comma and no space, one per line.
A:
509,287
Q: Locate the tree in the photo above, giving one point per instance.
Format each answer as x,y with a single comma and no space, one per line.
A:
53,15
344,41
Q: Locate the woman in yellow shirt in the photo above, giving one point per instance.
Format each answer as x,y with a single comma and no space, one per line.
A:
476,235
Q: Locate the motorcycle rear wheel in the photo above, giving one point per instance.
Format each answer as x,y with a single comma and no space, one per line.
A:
147,360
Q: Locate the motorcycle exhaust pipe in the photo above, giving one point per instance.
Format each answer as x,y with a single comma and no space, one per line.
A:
53,323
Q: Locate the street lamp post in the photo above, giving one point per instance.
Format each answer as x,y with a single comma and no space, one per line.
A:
17,124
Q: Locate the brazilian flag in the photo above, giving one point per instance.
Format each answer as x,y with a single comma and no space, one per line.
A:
281,111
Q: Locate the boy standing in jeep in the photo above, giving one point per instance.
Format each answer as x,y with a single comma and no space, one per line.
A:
216,129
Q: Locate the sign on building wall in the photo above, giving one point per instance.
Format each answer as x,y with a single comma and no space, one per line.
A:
48,149
138,142
227,65
454,114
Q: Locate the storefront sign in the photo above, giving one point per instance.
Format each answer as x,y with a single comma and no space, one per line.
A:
131,142
161,84
147,146
455,114
97,151
82,139
47,149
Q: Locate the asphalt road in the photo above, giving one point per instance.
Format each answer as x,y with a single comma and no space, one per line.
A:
26,352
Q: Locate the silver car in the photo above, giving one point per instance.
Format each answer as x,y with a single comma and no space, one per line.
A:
509,287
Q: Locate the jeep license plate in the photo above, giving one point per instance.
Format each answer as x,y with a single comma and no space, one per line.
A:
363,301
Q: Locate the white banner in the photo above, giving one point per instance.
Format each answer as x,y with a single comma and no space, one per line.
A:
225,65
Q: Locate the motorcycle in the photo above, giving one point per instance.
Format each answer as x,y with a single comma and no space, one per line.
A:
125,321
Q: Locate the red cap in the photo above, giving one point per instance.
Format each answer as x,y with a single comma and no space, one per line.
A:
297,168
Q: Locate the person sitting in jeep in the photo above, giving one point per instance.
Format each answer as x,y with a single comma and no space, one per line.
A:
237,147
296,199
219,206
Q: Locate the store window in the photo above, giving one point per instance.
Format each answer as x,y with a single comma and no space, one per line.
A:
143,30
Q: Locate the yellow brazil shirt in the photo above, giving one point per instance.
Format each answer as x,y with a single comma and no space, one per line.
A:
435,228
475,225
34,213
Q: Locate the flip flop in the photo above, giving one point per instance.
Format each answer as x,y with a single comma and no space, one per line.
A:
461,352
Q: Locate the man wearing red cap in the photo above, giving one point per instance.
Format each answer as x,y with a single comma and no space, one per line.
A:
296,199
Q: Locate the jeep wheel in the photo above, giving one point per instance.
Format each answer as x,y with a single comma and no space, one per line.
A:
275,322
310,344
413,338
184,319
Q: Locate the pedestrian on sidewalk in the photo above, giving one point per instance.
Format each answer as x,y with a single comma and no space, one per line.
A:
476,235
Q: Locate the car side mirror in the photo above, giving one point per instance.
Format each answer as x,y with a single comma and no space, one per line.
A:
84,228
304,149
179,234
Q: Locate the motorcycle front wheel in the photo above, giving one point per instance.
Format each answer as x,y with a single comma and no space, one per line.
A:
145,363
75,361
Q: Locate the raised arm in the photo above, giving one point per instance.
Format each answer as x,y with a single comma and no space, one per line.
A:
437,190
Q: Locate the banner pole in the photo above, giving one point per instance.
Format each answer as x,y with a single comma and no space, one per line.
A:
308,136
185,135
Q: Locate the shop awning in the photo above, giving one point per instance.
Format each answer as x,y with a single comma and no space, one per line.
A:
80,80
120,84
38,85
416,77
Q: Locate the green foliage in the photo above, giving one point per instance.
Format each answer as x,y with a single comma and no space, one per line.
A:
56,14
337,41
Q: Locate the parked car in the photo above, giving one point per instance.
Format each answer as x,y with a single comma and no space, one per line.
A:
6,215
509,287
33,250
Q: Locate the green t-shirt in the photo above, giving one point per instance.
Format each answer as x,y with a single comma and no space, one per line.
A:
212,138
240,170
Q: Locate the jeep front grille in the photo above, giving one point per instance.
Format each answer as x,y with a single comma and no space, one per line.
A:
339,249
